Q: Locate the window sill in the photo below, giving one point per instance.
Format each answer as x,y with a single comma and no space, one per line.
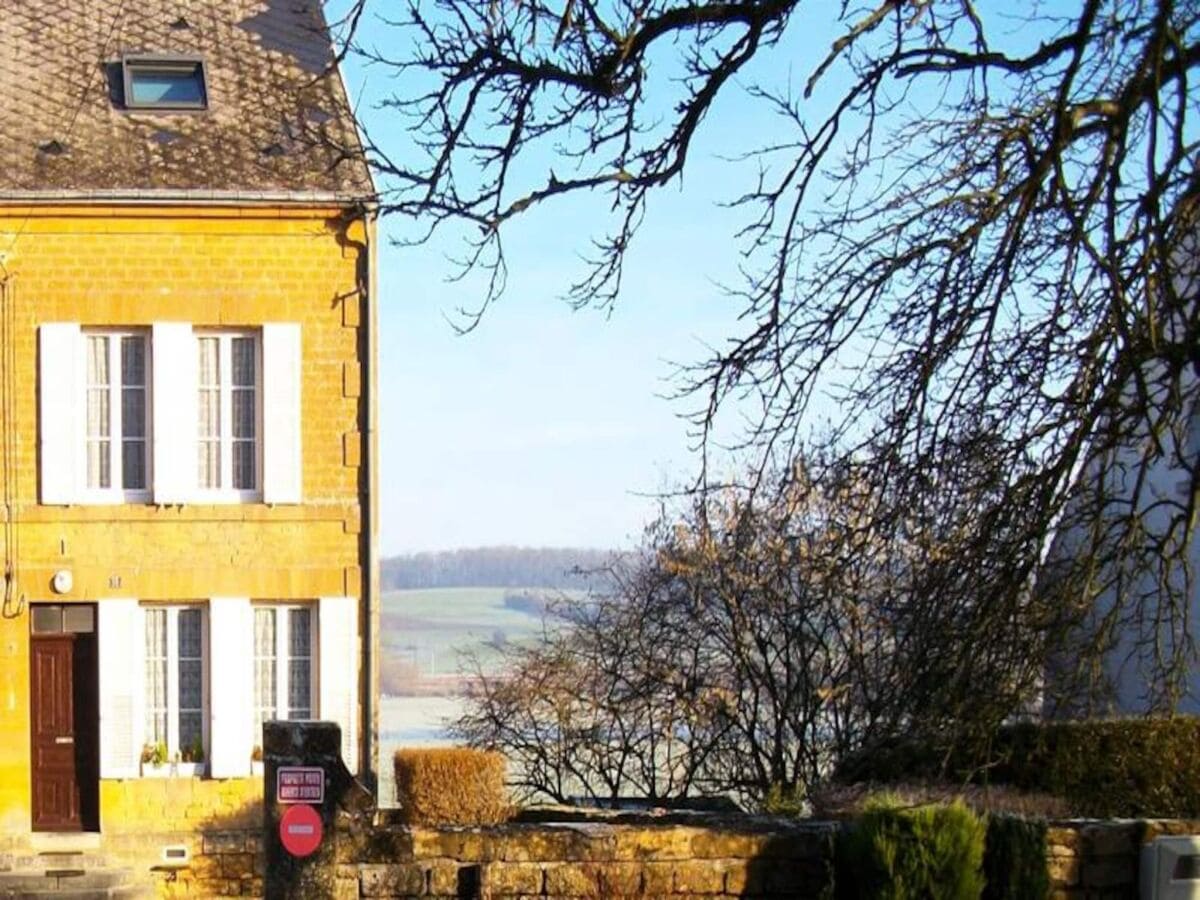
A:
174,770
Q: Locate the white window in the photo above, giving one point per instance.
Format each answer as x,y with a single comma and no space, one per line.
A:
170,414
229,414
176,644
283,664
116,424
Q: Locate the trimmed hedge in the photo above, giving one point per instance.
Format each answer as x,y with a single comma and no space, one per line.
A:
907,853
1014,859
1113,768
450,786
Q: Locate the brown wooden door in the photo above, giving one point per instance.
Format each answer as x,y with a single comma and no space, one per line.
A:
56,796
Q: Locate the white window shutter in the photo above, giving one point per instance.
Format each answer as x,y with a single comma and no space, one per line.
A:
337,651
121,639
173,419
231,674
61,426
281,413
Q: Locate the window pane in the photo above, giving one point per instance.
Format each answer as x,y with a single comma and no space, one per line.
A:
133,361
191,688
46,619
155,686
99,464
243,414
79,619
210,464
133,412
191,679
191,729
97,359
177,85
264,669
133,465
243,465
98,413
243,361
209,362
210,413
299,689
189,634
299,632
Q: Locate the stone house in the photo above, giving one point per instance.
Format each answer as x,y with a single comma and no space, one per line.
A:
187,228
1146,578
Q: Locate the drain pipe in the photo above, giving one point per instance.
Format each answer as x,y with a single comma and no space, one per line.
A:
371,575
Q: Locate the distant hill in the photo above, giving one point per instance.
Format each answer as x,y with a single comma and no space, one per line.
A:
563,568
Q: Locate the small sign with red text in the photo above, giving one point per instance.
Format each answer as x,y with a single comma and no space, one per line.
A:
300,784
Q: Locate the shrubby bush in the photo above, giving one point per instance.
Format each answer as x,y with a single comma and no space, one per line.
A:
1014,859
894,852
450,786
1102,768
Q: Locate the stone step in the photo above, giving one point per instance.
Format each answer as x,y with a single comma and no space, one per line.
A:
71,882
128,892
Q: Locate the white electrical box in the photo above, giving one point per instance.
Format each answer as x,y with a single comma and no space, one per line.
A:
1170,869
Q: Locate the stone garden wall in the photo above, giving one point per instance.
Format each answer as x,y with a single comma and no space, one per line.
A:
734,858
671,856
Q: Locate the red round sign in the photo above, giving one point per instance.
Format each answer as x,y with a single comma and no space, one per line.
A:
300,830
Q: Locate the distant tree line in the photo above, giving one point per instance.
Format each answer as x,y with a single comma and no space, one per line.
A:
562,568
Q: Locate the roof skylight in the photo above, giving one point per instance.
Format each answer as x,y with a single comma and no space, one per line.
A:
164,82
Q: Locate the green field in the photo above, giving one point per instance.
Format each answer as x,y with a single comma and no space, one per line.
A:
431,628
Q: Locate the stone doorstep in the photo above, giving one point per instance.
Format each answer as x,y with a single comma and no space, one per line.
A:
76,883
64,841
128,892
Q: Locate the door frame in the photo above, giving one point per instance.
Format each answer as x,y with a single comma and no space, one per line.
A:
85,703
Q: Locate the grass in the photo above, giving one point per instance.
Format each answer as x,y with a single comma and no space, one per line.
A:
432,627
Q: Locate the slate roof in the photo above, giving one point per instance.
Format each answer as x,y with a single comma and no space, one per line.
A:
277,125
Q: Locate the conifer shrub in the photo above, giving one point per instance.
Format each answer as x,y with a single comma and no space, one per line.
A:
933,852
450,786
1014,859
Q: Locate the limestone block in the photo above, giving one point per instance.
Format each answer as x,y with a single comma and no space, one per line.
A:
1063,870
501,878
699,877
389,880
443,877
620,879
225,842
654,842
1063,837
658,879
572,880
745,876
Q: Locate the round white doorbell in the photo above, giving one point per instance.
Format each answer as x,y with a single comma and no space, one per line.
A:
62,581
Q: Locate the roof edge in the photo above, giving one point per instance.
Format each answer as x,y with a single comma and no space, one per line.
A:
202,197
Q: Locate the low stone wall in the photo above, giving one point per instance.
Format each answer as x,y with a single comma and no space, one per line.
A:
718,859
220,822
227,863
672,856
1090,860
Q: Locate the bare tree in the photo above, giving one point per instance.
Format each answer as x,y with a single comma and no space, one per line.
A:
971,240
747,648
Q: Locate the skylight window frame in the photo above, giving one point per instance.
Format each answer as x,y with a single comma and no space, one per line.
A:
163,62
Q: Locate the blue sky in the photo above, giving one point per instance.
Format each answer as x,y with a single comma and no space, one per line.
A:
545,426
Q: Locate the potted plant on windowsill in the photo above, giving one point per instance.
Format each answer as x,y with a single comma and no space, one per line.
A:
158,762
154,760
190,761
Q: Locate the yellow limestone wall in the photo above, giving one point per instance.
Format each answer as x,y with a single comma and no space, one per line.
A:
231,267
